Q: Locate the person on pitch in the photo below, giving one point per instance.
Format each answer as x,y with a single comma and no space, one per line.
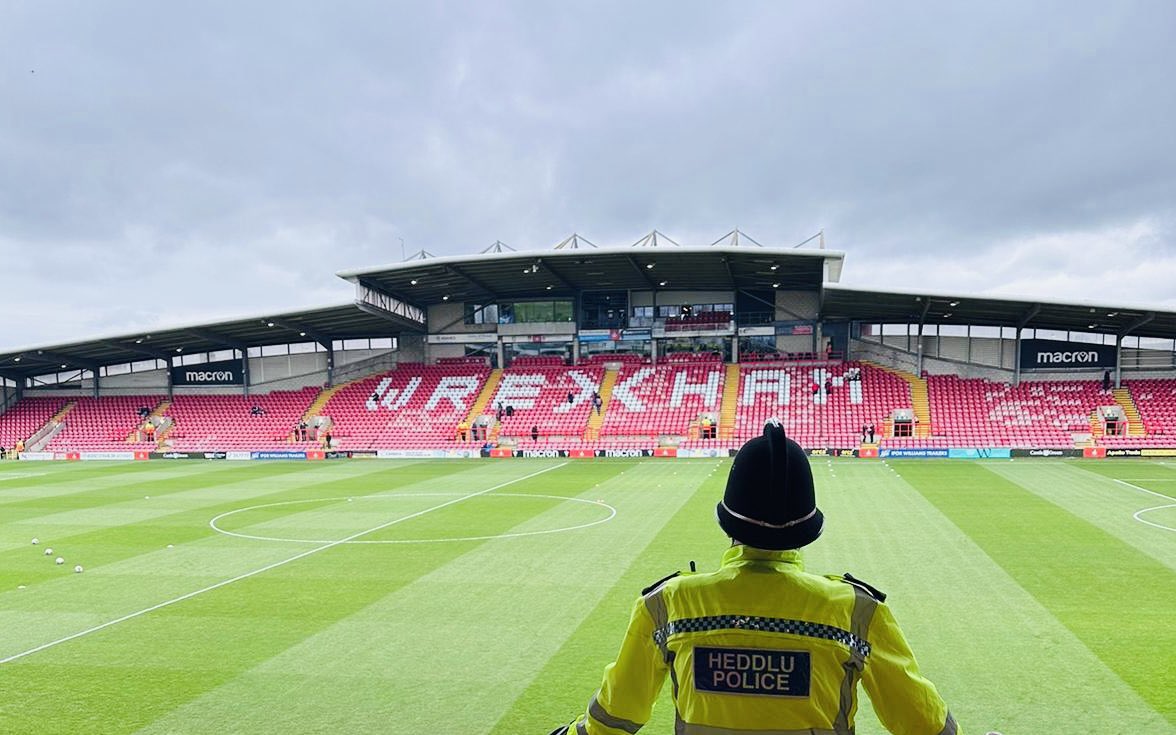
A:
760,646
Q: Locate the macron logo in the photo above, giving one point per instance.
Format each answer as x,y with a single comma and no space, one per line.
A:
1065,358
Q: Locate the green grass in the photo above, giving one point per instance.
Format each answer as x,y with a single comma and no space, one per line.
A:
1034,599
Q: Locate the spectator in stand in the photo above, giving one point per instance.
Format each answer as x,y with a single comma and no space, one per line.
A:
865,432
571,397
534,433
870,431
828,386
1106,381
597,402
144,412
498,413
149,431
816,387
327,439
3,452
257,410
463,430
19,447
509,411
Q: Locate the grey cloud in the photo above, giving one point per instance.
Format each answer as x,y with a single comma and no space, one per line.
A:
141,141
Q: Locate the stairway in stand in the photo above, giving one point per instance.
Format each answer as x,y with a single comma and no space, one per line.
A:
1097,429
60,415
483,399
920,401
730,406
159,411
1130,410
596,420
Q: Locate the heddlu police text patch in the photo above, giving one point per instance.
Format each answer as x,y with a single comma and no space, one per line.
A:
752,671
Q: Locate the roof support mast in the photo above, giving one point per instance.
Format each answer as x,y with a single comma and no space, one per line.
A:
1028,317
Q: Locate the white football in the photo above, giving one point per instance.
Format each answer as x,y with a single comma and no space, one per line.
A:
78,569
36,541
60,560
48,552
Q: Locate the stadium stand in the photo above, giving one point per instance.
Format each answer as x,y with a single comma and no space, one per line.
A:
413,407
1155,402
969,412
104,425
26,418
796,395
650,401
538,396
227,422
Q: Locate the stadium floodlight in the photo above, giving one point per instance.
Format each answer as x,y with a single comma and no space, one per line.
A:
413,282
302,334
549,288
445,297
774,267
649,266
663,283
954,303
16,359
269,324
775,285
63,365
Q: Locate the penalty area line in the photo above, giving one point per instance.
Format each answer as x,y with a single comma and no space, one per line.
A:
267,567
1138,513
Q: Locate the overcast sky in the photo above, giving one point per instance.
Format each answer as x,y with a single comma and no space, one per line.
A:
164,163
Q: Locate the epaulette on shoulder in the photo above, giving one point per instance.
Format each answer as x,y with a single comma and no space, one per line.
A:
869,589
658,583
663,580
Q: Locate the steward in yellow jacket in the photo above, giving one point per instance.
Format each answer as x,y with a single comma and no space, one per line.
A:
761,647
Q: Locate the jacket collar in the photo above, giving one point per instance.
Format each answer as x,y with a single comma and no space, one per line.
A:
739,553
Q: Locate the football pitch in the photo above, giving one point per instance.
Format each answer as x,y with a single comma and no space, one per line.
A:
486,596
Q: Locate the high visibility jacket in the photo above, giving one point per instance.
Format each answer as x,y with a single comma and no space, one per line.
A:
761,647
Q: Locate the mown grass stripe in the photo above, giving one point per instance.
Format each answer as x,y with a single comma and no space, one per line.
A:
561,689
1079,572
176,654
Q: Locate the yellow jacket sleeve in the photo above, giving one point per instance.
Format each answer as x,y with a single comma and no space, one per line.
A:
906,703
631,683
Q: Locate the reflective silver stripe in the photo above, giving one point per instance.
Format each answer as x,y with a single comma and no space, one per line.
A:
657,610
601,715
765,524
864,606
688,729
580,729
950,727
763,625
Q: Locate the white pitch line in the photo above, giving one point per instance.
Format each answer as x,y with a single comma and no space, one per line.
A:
267,567
1145,490
1148,510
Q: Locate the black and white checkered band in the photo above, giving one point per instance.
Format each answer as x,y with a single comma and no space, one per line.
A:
768,625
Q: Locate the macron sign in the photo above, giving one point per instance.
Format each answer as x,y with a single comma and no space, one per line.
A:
224,372
1048,354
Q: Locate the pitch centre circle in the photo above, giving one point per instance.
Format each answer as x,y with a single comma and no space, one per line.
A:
605,507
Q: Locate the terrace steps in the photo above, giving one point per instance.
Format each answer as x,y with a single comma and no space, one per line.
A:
730,406
160,409
483,399
595,419
316,406
920,399
1130,410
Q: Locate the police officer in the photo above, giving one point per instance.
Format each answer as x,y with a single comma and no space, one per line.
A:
761,646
